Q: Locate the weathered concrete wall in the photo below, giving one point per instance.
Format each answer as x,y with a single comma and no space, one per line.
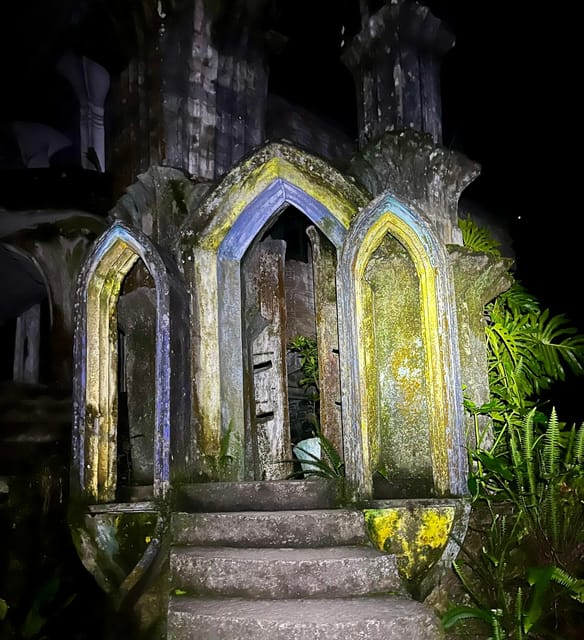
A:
137,319
478,279
400,448
290,122
411,166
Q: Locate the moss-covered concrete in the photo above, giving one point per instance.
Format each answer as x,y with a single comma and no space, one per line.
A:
401,451
416,533
248,198
478,279
416,169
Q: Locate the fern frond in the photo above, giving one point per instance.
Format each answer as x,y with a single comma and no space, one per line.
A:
573,585
517,462
579,448
551,449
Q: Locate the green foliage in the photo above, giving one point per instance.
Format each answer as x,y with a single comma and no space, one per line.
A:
330,463
3,608
48,603
527,578
307,349
477,238
529,351
529,573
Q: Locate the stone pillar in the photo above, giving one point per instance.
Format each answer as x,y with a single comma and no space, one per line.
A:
478,279
269,427
324,262
395,61
27,345
186,101
136,117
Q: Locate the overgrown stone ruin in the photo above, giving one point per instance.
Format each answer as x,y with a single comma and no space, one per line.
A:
186,395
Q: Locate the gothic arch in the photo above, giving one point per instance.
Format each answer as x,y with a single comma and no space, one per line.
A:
387,215
95,380
245,204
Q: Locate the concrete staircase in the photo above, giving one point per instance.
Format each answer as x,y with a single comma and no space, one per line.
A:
275,560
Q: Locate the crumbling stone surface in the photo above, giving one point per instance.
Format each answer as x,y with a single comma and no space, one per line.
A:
423,174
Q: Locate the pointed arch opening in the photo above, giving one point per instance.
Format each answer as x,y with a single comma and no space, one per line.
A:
275,227
406,402
126,273
267,266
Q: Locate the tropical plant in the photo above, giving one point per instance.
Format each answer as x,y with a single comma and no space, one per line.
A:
527,575
529,571
307,349
330,463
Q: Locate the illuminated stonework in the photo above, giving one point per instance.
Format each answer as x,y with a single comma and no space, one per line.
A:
400,404
438,373
95,438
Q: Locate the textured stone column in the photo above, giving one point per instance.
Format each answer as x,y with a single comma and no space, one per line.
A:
27,345
187,101
189,67
214,95
136,120
269,426
395,61
325,299
478,279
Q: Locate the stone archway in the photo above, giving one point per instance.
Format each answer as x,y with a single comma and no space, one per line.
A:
239,212
96,365
403,393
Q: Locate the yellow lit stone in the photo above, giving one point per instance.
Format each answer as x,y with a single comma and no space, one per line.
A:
416,534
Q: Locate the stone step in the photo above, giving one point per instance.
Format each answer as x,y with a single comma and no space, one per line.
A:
367,618
284,573
275,495
306,528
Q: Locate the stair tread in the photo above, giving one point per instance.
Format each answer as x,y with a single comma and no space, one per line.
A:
362,618
254,495
268,513
281,554
311,609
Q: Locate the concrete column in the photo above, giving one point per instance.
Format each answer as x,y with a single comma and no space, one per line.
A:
266,346
27,345
395,61
324,262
